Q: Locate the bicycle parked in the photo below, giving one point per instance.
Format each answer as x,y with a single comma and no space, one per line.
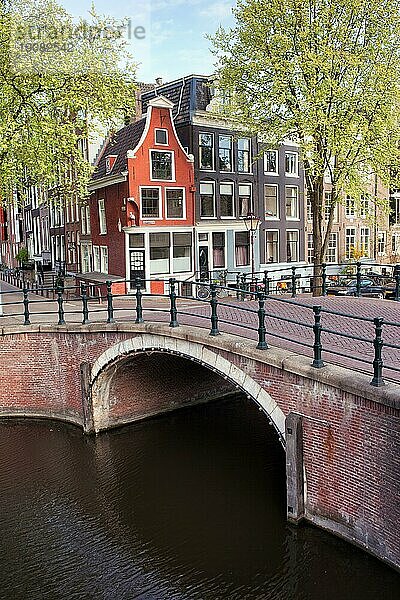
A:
203,290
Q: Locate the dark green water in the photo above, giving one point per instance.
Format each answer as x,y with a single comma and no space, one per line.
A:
188,506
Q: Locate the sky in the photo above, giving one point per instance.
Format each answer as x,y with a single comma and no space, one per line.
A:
174,43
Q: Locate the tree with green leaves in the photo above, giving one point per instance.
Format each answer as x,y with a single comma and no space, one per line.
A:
325,73
60,79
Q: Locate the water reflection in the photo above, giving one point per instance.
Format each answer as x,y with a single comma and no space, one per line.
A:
191,505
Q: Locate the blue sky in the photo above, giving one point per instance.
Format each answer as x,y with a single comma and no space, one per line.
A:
175,43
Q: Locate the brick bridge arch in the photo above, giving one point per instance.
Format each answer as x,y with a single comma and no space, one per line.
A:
107,368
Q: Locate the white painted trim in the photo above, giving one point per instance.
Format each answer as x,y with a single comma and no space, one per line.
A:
170,187
169,151
160,212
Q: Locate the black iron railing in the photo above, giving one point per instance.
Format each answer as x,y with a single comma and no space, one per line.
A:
261,317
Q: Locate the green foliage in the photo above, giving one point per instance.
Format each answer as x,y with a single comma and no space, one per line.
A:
56,76
325,74
22,255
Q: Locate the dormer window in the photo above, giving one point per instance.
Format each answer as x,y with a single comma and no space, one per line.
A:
162,137
110,160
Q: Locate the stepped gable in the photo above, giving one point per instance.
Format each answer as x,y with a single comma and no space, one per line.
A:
123,140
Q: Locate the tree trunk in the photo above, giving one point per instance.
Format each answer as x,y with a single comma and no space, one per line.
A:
316,198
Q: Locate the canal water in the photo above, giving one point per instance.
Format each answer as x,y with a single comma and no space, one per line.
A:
187,506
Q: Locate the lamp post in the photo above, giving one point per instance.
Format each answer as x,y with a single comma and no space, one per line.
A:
252,223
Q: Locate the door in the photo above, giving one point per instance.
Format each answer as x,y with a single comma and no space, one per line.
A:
137,269
203,262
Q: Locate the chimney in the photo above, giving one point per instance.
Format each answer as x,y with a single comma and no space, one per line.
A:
159,80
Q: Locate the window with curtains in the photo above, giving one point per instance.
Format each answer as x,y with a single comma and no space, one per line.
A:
207,200
218,245
272,246
292,246
291,164
292,201
245,201
226,200
242,248
271,204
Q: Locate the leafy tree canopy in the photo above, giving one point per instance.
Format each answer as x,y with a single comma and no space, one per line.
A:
326,73
60,78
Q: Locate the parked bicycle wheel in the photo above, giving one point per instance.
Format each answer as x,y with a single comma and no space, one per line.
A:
203,292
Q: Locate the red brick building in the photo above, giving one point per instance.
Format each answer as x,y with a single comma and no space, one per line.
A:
142,203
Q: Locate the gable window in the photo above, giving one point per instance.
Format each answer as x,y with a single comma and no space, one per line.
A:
292,201
102,216
206,150
226,199
245,203
225,152
244,156
292,245
271,204
174,202
242,248
291,164
207,203
161,137
272,246
159,252
161,165
271,162
150,203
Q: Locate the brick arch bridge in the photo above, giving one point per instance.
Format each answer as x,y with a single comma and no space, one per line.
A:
341,435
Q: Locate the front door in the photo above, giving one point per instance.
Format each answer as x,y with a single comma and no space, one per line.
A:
203,262
137,269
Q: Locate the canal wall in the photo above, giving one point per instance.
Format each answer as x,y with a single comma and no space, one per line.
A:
342,435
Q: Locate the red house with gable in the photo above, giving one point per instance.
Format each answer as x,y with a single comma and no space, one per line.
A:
142,203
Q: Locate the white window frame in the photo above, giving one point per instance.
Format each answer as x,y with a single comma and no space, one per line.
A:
267,261
152,187
102,223
249,152
296,171
214,199
212,152
183,204
103,254
276,161
96,259
298,245
226,135
310,248
365,235
159,150
381,239
290,218
277,216
350,207
332,236
349,236
232,186
251,204
155,136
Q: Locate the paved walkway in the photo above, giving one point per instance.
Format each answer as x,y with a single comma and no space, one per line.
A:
288,324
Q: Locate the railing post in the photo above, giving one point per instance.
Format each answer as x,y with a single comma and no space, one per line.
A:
139,306
262,344
85,306
358,284
173,310
110,309
293,282
26,307
61,320
397,283
243,284
214,310
377,379
317,327
238,286
266,283
323,279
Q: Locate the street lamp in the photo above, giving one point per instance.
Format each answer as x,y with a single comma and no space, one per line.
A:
252,223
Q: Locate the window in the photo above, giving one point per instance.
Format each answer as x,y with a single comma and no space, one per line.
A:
327,205
396,243
85,258
161,136
291,164
394,215
206,149
218,243
161,165
207,204
226,200
245,202
85,219
331,251
175,203
242,248
292,201
350,207
272,246
102,217
103,259
136,240
364,238
225,153
271,202
159,252
182,252
96,258
309,208
310,248
364,206
271,162
244,156
381,243
150,203
292,246
350,241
